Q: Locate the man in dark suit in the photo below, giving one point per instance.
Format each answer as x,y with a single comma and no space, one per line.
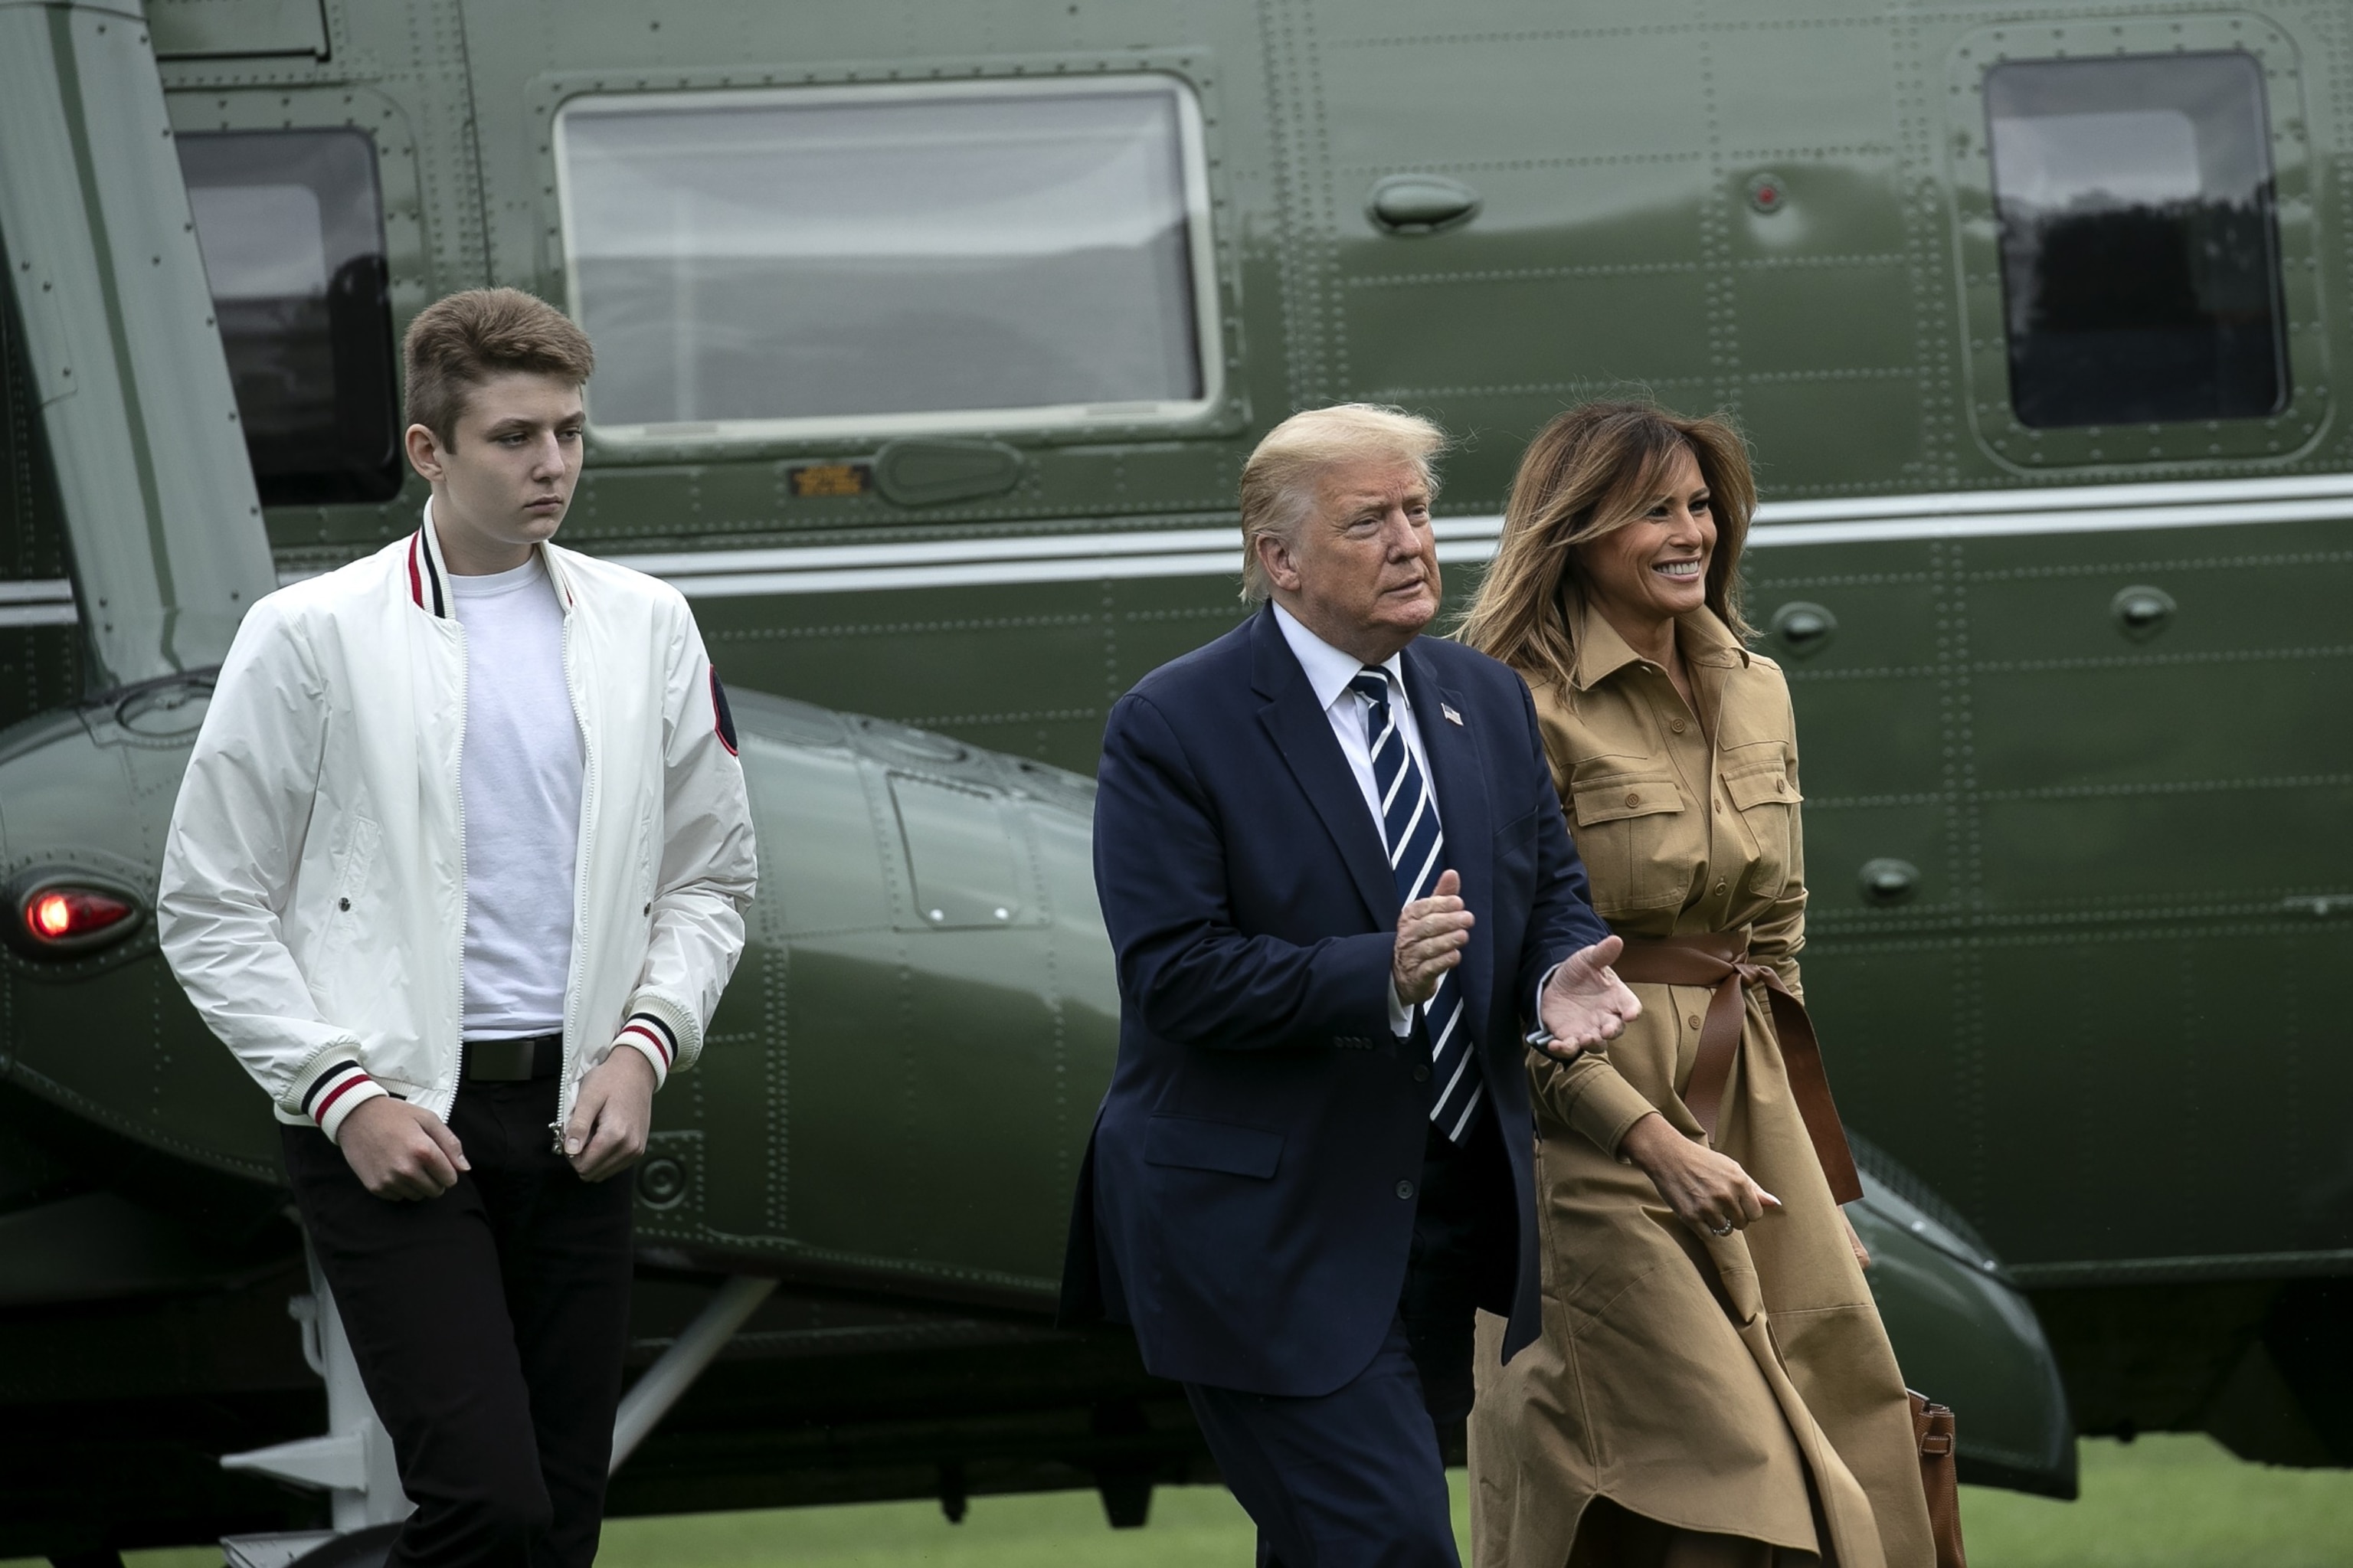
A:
1342,895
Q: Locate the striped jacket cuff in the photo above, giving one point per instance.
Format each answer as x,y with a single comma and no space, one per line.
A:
336,1093
650,1035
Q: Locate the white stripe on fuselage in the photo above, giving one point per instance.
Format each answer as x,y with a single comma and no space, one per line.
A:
1216,552
37,602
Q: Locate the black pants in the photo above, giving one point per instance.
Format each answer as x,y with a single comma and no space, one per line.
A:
1466,1235
489,1324
1355,1479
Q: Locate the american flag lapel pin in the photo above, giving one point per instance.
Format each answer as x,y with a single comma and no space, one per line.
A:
1451,717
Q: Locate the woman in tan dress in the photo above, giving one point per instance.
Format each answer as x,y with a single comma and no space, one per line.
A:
1713,1385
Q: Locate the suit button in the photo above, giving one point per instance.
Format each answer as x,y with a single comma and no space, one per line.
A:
1421,1072
1405,1189
1633,797
1693,1021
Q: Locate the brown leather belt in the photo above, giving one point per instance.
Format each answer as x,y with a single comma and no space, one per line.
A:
1719,960
514,1061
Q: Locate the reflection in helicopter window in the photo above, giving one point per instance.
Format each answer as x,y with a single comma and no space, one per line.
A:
888,257
292,226
2140,256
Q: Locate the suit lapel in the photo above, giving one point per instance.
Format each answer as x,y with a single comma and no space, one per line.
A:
1302,732
1460,783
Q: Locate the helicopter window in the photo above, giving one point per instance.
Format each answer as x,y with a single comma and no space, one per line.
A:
2139,252
820,260
292,226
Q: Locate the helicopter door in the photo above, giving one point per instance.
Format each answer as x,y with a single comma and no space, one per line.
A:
2140,809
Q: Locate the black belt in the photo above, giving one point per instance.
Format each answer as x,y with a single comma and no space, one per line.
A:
514,1061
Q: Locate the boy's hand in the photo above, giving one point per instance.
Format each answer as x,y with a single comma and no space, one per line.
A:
614,1114
400,1151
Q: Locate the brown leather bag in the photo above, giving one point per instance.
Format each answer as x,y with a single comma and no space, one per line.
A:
1932,1424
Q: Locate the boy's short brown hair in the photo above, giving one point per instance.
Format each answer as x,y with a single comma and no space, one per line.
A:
458,343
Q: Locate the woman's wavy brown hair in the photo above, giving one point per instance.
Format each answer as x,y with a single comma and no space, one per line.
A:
1590,473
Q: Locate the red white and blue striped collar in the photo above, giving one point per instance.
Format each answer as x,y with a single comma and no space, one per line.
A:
428,579
427,573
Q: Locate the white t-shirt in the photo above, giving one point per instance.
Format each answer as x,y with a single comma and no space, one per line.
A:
518,787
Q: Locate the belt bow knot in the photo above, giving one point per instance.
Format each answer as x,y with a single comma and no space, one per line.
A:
1720,960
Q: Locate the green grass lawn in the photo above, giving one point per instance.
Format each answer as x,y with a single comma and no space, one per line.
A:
2162,1502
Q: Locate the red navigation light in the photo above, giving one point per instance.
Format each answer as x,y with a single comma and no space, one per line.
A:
63,914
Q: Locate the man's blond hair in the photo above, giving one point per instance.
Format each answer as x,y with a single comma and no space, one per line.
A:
1281,481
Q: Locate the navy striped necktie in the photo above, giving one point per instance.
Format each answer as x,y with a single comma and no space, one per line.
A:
1409,821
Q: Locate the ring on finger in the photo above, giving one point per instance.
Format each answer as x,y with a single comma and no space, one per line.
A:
1723,1230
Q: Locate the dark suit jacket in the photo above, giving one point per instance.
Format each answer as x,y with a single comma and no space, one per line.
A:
1246,1202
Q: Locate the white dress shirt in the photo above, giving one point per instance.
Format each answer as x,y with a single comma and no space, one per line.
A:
1328,672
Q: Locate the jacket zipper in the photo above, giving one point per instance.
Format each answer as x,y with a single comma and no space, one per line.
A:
566,1090
465,902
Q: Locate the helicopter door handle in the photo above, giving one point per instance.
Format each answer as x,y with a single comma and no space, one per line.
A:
2142,612
1420,204
1888,881
1805,630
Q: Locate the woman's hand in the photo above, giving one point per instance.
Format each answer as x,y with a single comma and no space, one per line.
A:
1706,1189
1862,1253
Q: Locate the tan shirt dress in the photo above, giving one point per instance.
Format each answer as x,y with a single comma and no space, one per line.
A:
1695,1381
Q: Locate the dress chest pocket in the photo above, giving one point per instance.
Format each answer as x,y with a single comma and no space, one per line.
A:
1756,782
1629,828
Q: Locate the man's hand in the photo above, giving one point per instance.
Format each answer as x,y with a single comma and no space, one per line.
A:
1431,936
611,1117
1584,1003
1706,1190
399,1150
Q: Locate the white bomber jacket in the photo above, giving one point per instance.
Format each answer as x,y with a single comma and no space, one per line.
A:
314,897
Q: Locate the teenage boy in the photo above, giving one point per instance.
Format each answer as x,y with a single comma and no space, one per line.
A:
458,871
